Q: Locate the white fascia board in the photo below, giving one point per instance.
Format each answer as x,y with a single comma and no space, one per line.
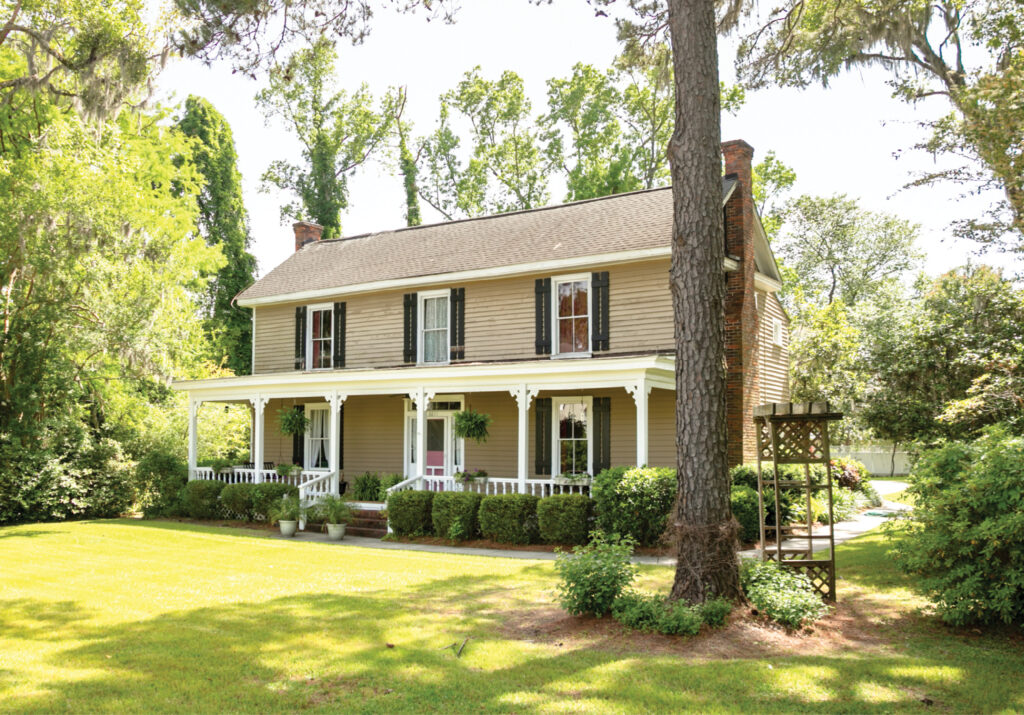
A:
765,283
497,377
552,266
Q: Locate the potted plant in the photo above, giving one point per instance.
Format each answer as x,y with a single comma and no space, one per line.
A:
573,480
287,513
293,421
287,470
467,476
336,513
470,424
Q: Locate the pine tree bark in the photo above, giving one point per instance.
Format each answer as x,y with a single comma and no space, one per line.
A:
704,530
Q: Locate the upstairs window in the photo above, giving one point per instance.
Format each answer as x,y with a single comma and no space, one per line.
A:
321,338
572,315
777,336
434,337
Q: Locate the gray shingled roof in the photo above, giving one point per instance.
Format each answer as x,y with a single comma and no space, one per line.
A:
622,222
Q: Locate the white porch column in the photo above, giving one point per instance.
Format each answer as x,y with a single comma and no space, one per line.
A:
258,403
523,396
641,390
335,400
420,398
193,437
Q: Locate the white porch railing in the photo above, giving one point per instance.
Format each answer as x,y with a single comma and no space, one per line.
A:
493,485
317,485
246,475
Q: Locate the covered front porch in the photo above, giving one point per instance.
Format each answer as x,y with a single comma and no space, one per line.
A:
554,423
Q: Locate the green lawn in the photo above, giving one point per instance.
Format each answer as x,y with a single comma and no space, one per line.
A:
146,616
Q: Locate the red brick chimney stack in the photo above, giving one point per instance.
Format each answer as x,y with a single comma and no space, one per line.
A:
741,320
306,232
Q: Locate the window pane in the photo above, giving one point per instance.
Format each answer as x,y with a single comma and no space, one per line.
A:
325,323
316,326
435,313
565,339
579,335
435,435
434,346
579,299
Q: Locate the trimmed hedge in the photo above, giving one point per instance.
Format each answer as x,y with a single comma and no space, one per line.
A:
509,518
565,518
201,499
454,515
744,510
237,500
409,513
267,494
634,501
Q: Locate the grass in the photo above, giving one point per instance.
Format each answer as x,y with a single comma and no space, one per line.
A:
129,616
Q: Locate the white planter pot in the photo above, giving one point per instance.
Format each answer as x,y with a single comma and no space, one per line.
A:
288,528
335,532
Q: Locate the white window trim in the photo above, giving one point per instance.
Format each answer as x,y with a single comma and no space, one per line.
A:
409,459
310,309
556,452
307,441
421,299
555,280
777,332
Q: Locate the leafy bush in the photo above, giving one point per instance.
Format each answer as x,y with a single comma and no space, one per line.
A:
745,475
780,593
844,504
451,507
639,611
634,501
593,576
871,494
650,613
386,482
849,473
744,509
201,499
715,611
266,494
964,542
367,487
565,518
509,518
409,513
237,500
457,532
159,478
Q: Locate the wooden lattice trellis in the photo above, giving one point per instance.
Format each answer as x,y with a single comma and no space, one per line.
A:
796,433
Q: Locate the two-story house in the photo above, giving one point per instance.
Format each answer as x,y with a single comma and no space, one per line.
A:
556,322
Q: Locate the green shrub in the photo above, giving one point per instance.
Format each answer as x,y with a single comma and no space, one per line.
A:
782,594
237,500
457,532
849,473
266,494
386,482
451,507
509,518
634,501
745,475
565,518
367,487
409,513
159,478
201,499
871,495
593,576
715,611
844,504
650,613
964,539
745,511
639,611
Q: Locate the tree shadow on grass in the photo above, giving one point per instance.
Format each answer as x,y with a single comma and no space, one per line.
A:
12,532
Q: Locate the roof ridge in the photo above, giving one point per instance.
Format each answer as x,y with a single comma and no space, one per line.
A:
370,234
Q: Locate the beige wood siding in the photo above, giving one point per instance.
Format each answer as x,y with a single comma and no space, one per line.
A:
374,435
500,317
773,360
661,427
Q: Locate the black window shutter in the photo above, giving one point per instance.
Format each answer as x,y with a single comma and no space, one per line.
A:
299,443
457,324
300,338
542,293
542,423
338,359
410,328
341,437
599,310
602,434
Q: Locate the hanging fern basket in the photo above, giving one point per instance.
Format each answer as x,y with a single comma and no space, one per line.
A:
293,421
470,424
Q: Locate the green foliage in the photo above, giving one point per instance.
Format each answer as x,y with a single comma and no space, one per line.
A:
287,508
410,513
871,494
409,171
849,473
455,512
745,511
565,518
964,539
593,576
333,510
237,500
222,221
367,487
653,614
470,424
509,518
267,494
159,478
771,181
201,499
386,482
293,421
781,594
715,611
634,501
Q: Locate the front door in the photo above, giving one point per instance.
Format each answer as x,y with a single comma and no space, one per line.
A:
437,447
443,455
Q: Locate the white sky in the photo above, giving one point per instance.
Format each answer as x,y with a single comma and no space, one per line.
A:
840,140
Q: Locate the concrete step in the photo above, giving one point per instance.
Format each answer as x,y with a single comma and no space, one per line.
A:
371,532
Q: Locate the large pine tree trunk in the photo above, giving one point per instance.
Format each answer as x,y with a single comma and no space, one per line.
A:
703,526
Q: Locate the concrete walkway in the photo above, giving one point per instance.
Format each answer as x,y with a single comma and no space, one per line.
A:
844,531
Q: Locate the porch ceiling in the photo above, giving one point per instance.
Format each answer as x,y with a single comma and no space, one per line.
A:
546,374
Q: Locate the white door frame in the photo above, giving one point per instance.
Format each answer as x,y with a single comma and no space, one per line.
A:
455,448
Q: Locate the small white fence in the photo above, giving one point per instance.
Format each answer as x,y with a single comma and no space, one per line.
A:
879,460
313,485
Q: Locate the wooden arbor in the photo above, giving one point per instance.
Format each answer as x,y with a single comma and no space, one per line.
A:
796,433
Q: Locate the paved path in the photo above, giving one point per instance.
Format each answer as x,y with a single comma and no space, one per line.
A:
844,531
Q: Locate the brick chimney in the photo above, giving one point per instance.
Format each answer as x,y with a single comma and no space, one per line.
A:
742,387
306,232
